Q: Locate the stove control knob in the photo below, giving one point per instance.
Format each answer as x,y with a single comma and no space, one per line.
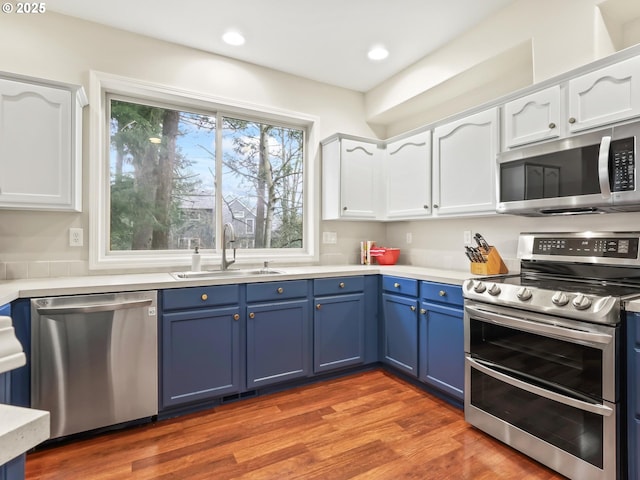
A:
524,294
560,299
581,302
494,290
479,287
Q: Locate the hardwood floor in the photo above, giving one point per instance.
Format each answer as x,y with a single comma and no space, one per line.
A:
369,425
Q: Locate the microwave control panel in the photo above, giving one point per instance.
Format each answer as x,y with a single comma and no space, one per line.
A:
623,165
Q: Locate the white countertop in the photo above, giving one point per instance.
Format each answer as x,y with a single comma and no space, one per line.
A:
13,289
20,430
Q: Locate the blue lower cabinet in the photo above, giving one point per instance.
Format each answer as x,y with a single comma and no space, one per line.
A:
442,348
200,354
400,330
633,395
278,341
338,332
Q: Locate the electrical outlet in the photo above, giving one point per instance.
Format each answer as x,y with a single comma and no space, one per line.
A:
75,237
467,237
409,238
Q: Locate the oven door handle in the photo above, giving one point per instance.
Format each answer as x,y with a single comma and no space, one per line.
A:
596,408
538,327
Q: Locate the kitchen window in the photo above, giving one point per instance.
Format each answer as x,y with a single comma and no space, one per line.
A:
174,169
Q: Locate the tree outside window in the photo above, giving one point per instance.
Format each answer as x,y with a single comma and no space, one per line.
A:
163,179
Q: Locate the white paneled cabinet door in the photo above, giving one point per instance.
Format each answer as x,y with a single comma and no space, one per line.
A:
39,147
607,95
464,159
533,117
408,177
359,173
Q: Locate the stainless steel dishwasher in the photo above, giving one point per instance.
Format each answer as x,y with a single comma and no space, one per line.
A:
94,359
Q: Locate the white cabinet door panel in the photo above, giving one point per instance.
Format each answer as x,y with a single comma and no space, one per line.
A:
533,117
38,164
408,176
359,175
464,155
607,95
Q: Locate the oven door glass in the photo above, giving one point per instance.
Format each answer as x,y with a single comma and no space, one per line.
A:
576,431
566,367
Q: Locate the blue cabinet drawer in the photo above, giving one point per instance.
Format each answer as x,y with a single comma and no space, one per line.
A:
259,292
441,292
404,286
338,285
197,297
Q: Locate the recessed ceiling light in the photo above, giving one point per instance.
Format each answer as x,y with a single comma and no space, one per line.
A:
378,53
233,38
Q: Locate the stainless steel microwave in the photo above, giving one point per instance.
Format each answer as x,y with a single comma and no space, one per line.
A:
594,172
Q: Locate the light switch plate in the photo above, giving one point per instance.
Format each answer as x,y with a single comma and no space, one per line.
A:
467,237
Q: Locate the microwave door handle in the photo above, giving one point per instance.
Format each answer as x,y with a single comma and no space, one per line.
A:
603,167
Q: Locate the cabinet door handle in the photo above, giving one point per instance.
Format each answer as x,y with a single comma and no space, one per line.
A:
344,209
426,207
572,120
318,306
552,125
236,316
204,297
436,206
442,293
252,315
413,308
396,285
422,311
341,284
280,290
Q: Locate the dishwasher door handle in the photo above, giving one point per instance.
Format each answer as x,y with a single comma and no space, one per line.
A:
100,307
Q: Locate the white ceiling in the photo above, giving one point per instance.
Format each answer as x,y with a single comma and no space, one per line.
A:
324,40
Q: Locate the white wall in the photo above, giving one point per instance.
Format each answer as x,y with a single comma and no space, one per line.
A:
60,48
549,36
562,36
439,243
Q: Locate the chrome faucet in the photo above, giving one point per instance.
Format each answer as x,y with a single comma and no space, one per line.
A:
224,265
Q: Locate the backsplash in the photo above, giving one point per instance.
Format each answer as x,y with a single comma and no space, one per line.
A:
42,269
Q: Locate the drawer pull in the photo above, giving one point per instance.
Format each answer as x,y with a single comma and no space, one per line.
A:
252,315
572,120
396,285
413,308
422,311
236,316
204,297
442,293
318,306
341,284
280,290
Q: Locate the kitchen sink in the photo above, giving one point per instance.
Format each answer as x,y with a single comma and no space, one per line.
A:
225,273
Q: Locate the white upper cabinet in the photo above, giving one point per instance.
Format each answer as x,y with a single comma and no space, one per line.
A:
464,160
604,96
40,146
350,179
533,117
408,177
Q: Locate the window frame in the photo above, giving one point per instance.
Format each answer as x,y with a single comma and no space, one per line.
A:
105,86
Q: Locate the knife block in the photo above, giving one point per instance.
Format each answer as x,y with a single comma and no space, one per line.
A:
493,265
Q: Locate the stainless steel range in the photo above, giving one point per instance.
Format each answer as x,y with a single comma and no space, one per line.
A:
543,349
